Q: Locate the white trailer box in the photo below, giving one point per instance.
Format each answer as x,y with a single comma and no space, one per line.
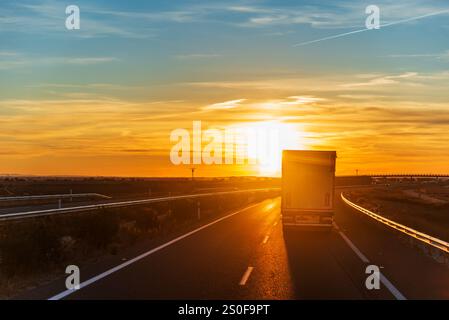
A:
308,188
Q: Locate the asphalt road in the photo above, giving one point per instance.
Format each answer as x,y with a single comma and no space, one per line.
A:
246,255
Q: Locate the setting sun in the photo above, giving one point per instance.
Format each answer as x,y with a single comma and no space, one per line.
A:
265,142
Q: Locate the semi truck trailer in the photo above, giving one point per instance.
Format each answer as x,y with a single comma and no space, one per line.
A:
308,179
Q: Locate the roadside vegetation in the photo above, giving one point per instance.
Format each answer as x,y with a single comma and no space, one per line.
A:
36,250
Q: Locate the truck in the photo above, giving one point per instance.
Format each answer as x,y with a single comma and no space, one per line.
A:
308,179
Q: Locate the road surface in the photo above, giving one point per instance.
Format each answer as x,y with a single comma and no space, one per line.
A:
246,255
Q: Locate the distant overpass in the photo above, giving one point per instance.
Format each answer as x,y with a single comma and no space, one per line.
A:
401,175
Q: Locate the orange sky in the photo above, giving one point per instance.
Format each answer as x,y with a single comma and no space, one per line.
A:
103,100
121,138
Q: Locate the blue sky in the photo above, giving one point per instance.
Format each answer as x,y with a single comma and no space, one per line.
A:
155,58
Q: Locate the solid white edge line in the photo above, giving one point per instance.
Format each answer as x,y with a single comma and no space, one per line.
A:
144,255
353,247
246,275
393,290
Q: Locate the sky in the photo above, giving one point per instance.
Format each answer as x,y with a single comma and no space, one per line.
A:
103,100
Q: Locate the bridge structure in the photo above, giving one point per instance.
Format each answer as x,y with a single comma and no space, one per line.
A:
402,175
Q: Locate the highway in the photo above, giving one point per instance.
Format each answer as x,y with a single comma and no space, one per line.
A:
246,255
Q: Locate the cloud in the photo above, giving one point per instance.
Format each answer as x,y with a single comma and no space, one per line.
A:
367,132
197,56
297,100
439,56
48,17
4,65
248,9
382,80
111,86
361,96
410,85
8,53
341,14
16,60
101,21
85,61
179,16
341,35
232,104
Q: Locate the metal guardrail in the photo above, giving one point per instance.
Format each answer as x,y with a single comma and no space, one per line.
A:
42,213
53,196
432,241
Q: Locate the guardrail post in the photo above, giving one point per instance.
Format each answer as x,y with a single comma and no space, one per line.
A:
198,205
169,206
59,203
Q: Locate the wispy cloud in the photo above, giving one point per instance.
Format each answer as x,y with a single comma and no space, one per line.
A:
18,61
100,21
439,56
84,61
197,56
382,80
179,16
8,53
298,100
345,34
248,9
232,104
47,17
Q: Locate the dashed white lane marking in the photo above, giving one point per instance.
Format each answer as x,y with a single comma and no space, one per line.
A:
246,275
265,240
275,224
393,290
144,255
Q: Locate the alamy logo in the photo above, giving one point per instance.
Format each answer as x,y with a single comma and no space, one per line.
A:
73,280
229,146
373,280
373,20
73,21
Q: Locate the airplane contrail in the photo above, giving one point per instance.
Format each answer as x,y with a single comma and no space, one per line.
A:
362,30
